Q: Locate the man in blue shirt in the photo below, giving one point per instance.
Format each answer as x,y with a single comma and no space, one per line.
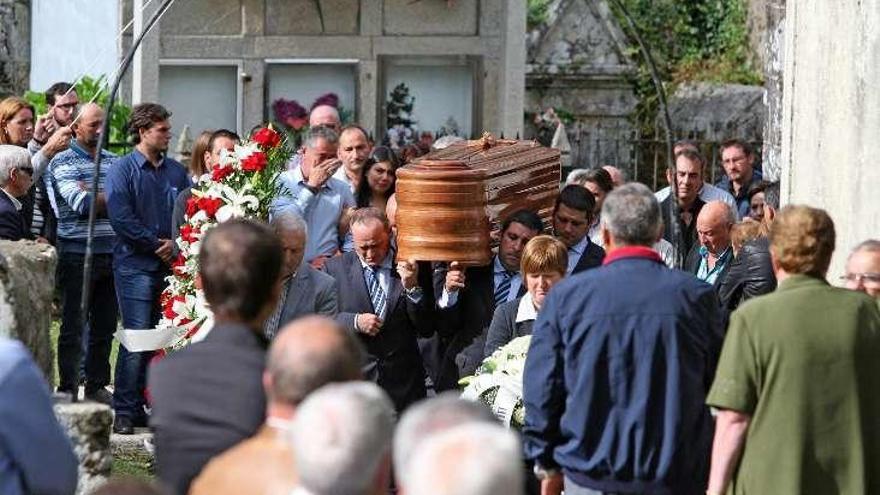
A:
740,174
35,454
141,189
68,184
619,366
314,194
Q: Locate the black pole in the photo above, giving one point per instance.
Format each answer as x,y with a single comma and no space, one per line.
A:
674,213
102,140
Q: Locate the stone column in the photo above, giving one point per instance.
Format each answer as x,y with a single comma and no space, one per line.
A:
15,46
145,66
511,77
774,50
831,115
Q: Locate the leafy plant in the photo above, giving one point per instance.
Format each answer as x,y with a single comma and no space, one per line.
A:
537,12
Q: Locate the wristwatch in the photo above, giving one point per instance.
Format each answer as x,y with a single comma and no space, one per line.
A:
542,473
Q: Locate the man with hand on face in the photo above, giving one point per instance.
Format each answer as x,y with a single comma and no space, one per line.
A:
141,189
316,196
469,296
572,216
384,305
354,149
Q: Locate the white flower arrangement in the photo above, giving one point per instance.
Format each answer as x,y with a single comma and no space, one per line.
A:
498,382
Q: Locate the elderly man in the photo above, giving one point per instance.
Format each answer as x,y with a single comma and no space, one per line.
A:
711,259
354,149
304,290
308,354
689,167
636,343
863,268
316,196
16,174
572,216
208,397
471,459
740,174
797,381
342,440
70,178
383,305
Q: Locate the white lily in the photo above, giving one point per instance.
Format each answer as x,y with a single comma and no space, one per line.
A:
242,152
238,203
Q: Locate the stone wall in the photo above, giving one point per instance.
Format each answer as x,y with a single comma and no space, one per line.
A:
831,115
27,283
88,426
15,43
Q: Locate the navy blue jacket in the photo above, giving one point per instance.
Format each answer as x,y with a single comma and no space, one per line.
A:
621,360
12,222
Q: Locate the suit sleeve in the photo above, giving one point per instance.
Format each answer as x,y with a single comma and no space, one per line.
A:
326,301
543,386
346,319
500,332
416,311
10,226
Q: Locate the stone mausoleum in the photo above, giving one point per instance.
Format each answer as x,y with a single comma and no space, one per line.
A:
225,62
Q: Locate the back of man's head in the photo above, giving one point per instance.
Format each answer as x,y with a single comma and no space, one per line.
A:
12,157
239,266
472,459
342,439
428,417
308,354
632,215
802,240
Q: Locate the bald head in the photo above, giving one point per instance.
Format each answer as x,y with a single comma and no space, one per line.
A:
714,223
616,175
325,115
87,128
307,354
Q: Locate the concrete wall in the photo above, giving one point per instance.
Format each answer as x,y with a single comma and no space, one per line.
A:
251,31
831,115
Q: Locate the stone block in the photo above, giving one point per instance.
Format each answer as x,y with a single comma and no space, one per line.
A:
14,46
203,17
403,17
27,284
291,17
88,424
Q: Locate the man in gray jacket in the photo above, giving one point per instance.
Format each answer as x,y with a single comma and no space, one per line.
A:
305,291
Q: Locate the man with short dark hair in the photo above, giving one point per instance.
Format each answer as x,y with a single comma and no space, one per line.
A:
707,192
740,173
636,344
208,397
572,216
308,354
688,176
354,149
469,296
141,188
70,178
384,305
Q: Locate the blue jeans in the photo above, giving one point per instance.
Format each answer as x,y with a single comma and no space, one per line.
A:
138,293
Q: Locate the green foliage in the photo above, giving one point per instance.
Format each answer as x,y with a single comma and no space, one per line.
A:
87,89
536,13
697,40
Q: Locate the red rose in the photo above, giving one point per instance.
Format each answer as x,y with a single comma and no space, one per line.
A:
255,162
189,233
210,205
179,264
192,206
267,138
220,173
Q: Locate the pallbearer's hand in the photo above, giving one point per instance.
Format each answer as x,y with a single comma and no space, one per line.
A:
454,277
409,273
368,323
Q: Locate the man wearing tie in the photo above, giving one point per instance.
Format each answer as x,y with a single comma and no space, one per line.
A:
383,305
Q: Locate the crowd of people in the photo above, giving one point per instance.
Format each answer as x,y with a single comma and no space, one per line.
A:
333,366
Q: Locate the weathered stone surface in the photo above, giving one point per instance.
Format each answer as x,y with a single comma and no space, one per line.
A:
716,112
88,424
285,17
773,71
217,17
14,46
431,17
27,277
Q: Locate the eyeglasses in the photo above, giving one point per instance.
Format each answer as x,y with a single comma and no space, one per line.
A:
865,278
27,170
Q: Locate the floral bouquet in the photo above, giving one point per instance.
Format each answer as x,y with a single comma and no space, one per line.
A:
498,382
242,185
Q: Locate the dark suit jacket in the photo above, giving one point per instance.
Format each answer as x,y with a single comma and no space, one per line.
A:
591,258
12,222
310,292
692,265
206,398
393,359
505,328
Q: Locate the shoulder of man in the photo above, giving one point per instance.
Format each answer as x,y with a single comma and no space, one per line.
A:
12,354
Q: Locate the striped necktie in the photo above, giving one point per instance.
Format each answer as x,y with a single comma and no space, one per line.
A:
377,295
503,289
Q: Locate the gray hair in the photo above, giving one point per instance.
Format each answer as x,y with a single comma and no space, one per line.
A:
471,459
428,417
288,221
341,437
12,157
871,246
577,176
321,132
632,215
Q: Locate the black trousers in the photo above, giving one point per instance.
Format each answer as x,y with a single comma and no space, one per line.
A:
101,319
